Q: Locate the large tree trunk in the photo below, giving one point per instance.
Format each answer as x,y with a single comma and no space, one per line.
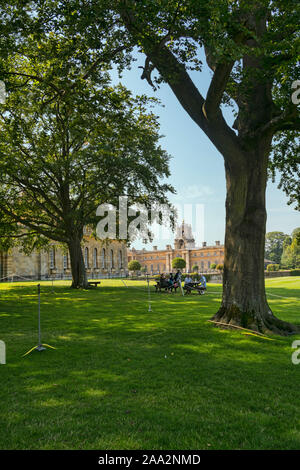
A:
244,300
245,153
77,264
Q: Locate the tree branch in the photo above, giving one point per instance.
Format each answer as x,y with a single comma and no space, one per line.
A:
288,120
216,89
175,74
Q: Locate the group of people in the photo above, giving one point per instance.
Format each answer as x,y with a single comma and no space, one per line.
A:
176,279
189,281
171,280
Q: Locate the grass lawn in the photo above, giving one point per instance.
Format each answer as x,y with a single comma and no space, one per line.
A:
126,378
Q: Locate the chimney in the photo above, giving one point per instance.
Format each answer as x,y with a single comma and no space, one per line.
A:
155,248
168,247
204,244
217,243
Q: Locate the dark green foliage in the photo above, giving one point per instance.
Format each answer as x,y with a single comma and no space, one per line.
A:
274,246
178,263
273,267
295,272
134,265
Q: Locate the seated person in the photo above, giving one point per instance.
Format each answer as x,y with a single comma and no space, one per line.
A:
171,279
203,281
188,281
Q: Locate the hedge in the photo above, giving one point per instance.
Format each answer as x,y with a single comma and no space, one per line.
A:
295,272
194,276
273,267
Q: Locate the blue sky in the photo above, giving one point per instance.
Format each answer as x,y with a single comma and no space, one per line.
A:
197,168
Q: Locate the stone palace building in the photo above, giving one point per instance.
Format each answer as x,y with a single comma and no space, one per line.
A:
159,261
101,259
106,259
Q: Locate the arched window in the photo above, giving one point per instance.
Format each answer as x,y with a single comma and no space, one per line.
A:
95,258
208,264
120,260
86,257
103,258
112,259
52,258
202,264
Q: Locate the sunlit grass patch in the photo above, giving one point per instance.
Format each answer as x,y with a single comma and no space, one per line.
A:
126,378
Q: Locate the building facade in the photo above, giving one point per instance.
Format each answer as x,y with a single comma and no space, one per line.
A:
101,260
160,261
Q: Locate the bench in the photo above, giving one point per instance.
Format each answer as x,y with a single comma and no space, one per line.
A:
196,287
94,283
165,285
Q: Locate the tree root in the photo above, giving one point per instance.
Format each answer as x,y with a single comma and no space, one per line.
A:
265,323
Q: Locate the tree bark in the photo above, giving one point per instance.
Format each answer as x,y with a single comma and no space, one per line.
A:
244,300
77,264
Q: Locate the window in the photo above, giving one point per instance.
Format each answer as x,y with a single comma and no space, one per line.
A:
95,258
202,264
208,264
52,258
120,259
65,261
112,259
103,258
86,257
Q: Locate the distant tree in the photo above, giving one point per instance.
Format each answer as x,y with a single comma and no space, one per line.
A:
296,232
291,251
213,265
220,267
274,246
273,267
134,265
195,268
178,263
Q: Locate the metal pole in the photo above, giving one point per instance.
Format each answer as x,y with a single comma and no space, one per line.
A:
39,346
149,296
39,310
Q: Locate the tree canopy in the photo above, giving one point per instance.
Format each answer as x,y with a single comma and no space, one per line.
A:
134,265
178,263
69,144
291,250
274,246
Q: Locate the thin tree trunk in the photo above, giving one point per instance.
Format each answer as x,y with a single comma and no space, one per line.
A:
244,300
77,264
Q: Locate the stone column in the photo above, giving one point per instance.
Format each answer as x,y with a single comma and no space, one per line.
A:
188,262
